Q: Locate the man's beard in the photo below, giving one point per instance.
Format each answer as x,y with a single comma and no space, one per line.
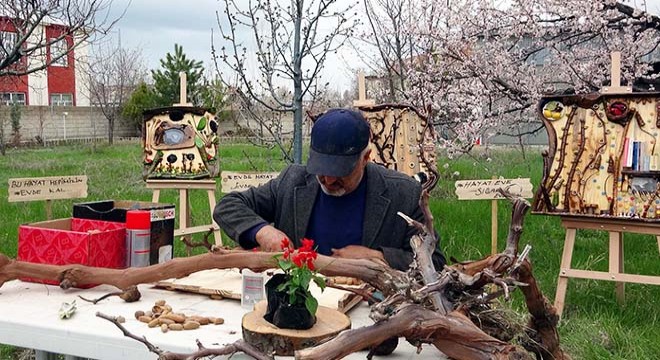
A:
335,193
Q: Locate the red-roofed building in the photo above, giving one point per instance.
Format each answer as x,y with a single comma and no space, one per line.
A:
61,83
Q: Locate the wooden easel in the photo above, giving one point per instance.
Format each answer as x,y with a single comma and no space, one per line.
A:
184,204
616,228
184,186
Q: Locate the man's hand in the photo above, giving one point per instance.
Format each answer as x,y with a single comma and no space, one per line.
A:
270,238
357,252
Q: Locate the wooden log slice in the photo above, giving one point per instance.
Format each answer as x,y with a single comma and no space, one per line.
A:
270,339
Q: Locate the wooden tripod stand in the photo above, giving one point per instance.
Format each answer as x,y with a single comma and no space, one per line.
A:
616,228
184,204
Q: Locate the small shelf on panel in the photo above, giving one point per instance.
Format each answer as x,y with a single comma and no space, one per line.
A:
645,174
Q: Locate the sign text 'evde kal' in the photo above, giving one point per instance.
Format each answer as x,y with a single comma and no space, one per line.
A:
47,188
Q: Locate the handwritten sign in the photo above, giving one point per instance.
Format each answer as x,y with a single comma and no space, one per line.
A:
47,188
487,189
239,181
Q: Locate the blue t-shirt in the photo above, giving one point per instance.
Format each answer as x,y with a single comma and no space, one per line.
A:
337,221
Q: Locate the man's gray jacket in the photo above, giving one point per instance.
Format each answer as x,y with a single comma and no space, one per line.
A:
287,203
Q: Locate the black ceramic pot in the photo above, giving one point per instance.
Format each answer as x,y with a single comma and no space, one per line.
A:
282,314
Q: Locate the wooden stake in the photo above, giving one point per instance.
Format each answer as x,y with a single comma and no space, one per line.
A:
183,91
615,85
49,209
493,225
362,92
183,82
616,69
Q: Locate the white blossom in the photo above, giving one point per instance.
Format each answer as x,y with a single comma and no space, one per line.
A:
480,66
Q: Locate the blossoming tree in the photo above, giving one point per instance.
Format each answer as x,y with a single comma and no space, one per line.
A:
479,67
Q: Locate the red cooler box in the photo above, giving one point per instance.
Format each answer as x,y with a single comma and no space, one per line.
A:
73,241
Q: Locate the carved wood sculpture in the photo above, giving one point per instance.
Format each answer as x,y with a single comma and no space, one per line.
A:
402,139
602,158
180,142
444,309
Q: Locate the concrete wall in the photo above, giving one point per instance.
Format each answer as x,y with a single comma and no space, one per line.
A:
89,123
280,123
51,124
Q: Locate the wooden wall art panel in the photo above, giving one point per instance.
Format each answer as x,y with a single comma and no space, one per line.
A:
180,142
603,159
402,139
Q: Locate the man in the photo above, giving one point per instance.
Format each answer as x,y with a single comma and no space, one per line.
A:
341,200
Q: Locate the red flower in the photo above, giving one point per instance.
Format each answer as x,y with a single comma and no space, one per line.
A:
298,259
285,243
299,269
307,245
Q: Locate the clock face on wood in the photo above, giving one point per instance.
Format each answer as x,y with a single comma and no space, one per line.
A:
173,137
602,158
180,143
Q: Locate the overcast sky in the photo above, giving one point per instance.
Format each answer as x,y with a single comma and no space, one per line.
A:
155,25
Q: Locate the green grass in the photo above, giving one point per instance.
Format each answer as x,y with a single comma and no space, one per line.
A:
594,325
114,172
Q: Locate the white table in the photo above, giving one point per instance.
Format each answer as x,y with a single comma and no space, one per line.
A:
29,318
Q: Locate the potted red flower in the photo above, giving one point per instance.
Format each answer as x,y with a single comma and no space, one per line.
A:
290,303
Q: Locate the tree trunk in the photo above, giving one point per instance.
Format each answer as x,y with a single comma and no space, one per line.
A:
111,130
297,86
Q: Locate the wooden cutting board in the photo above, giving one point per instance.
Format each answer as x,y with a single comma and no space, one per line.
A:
227,283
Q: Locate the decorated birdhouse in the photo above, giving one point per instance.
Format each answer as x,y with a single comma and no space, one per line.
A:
603,157
180,142
404,140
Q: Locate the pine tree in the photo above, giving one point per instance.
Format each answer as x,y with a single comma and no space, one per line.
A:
141,99
166,79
